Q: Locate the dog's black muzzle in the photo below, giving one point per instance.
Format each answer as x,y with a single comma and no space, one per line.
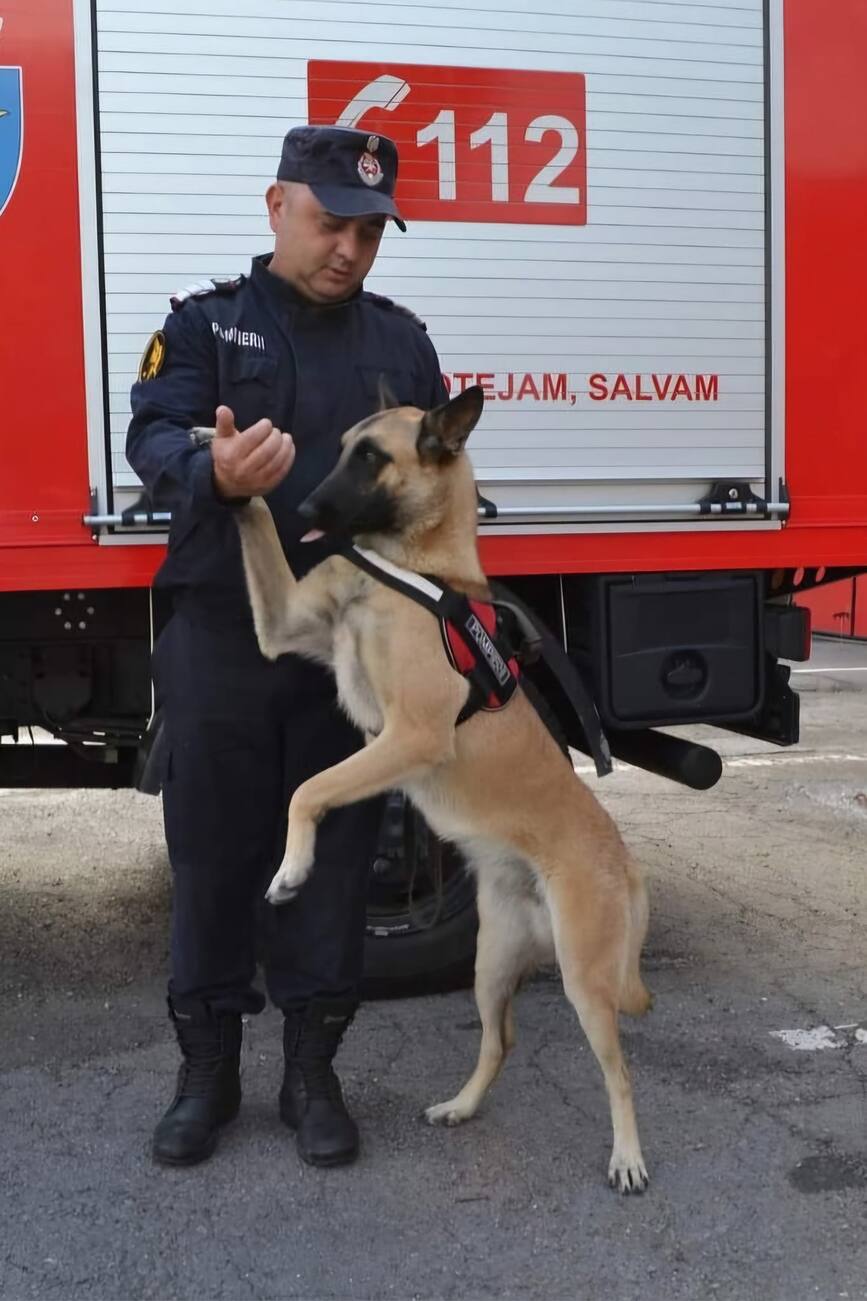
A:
323,515
342,507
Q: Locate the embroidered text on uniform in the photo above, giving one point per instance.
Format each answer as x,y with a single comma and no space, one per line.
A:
246,338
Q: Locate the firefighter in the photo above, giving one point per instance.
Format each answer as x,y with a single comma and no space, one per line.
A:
297,346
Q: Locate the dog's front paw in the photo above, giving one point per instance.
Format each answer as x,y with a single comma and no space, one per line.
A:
297,862
287,882
201,437
447,1113
628,1174
279,891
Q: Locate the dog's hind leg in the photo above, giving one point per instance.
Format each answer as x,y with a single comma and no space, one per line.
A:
504,952
635,997
591,937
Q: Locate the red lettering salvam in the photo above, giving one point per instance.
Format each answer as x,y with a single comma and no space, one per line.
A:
598,387
554,387
661,392
621,389
681,389
707,388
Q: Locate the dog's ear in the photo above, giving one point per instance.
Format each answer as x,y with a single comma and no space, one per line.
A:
445,429
387,400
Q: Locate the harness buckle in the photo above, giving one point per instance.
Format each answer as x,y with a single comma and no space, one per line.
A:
521,632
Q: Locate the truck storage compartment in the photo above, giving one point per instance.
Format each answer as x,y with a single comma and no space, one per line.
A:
664,649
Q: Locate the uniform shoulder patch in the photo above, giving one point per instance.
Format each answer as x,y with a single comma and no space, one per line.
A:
391,306
153,358
204,288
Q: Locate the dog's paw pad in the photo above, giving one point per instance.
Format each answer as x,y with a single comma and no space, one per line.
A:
628,1177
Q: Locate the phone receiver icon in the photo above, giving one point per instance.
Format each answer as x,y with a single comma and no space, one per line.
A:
386,92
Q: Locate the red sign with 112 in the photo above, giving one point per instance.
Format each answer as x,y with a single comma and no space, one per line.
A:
475,144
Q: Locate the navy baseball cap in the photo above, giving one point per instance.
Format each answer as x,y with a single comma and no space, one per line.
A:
352,173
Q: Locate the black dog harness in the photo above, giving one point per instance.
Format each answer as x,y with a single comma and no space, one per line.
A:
474,638
489,643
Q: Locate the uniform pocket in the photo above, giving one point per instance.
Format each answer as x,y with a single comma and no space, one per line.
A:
250,388
246,367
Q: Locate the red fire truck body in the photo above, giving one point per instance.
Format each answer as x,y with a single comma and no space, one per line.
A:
669,325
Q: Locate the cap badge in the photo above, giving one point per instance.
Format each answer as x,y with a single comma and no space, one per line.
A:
369,169
372,144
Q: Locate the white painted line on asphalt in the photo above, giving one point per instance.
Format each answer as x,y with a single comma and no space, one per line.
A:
809,1040
839,670
769,760
820,1037
751,761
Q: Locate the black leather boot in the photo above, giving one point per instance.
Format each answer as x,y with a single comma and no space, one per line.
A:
208,1092
311,1101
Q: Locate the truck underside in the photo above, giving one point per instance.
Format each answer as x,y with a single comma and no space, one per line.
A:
655,650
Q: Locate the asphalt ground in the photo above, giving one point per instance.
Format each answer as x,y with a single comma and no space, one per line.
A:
750,1074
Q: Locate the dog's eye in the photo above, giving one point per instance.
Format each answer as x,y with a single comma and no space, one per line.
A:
369,455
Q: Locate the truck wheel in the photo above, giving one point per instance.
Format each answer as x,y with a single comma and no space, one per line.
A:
421,913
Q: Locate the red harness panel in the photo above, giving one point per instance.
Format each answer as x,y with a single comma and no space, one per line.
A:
463,659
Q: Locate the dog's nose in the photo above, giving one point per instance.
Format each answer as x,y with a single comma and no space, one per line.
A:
307,510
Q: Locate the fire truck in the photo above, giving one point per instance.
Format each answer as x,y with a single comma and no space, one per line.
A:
638,225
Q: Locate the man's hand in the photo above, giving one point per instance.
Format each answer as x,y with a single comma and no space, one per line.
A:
249,462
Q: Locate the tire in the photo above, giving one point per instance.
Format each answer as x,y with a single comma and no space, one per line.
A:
421,916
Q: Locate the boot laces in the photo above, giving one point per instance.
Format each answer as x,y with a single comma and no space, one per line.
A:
204,1054
320,1080
314,1056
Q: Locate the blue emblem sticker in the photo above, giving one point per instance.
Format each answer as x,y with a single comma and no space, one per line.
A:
10,132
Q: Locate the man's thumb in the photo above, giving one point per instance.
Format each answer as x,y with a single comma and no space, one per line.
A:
225,422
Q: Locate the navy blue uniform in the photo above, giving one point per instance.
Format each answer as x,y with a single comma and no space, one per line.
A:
242,732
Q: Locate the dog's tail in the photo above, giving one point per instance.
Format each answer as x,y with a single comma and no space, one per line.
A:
635,997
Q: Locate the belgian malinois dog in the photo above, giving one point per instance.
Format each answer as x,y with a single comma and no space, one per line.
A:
554,878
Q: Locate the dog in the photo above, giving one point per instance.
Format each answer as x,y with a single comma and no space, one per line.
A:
554,879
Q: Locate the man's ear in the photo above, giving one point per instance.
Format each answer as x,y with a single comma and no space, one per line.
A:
387,400
445,429
275,200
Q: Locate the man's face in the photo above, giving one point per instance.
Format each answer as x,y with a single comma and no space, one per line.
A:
325,257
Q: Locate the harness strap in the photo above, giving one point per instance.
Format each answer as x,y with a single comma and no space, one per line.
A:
490,667
555,675
560,682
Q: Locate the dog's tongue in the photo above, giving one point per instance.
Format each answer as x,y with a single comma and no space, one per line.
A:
313,536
